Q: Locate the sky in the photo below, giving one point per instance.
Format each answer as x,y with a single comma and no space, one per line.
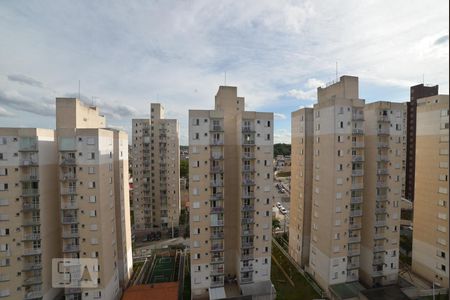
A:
127,54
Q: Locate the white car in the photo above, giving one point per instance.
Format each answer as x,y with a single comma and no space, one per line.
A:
279,205
283,210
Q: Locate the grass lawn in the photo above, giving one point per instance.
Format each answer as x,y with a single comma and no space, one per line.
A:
284,289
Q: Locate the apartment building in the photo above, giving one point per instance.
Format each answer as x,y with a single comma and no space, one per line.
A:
156,172
93,190
384,150
230,187
29,213
416,92
430,255
302,139
338,163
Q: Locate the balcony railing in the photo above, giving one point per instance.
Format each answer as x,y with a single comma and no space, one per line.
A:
381,198
217,260
31,266
382,184
357,117
246,280
217,142
356,213
357,131
68,191
217,196
379,236
378,261
32,251
247,256
217,223
31,222
28,162
71,248
216,183
217,169
216,283
248,195
383,118
33,280
68,161
68,176
247,245
248,169
216,210
248,129
377,273
215,248
248,208
357,186
352,265
216,155
28,146
27,177
357,158
70,220
356,199
380,223
247,233
248,142
248,182
383,171
248,221
354,252
247,268
383,131
30,192
33,295
69,205
31,237
70,234
216,128
380,210
357,145
355,226
217,235
354,239
383,145
248,155
30,206
359,172
217,271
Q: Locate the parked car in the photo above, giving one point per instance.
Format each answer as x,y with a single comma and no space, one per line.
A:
283,211
279,205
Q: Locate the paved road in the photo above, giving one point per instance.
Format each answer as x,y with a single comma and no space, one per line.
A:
142,249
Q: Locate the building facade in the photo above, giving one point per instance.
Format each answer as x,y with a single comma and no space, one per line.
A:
384,150
29,213
230,187
156,172
93,191
416,92
302,139
430,255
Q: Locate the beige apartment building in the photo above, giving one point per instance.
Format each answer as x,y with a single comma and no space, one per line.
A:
430,254
230,187
93,181
302,139
156,172
337,189
384,172
29,213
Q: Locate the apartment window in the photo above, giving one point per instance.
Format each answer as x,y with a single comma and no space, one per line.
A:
339,139
268,137
91,170
196,218
92,155
3,140
91,141
339,167
2,157
341,124
197,136
442,190
442,216
196,204
92,199
93,213
91,184
268,123
196,122
3,172
3,186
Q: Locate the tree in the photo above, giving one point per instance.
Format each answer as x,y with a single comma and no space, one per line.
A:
184,168
275,223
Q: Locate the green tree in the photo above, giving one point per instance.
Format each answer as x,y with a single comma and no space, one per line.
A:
184,168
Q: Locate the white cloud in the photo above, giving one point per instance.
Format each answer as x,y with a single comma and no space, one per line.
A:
282,136
279,116
5,113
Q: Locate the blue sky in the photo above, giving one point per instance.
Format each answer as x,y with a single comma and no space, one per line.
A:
128,54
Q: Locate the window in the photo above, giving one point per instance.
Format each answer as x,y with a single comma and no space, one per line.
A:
92,199
3,171
196,204
91,170
92,155
91,141
91,184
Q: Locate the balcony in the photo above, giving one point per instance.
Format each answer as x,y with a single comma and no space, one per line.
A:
68,177
27,192
70,220
382,118
352,265
31,266
383,158
216,128
70,234
378,261
29,178
216,248
383,171
357,117
217,142
217,271
355,226
359,172
249,256
248,221
248,195
248,129
356,199
31,251
354,239
216,183
357,131
32,280
245,245
379,236
33,295
383,131
248,182
216,223
383,145
248,169
246,280
357,158
217,283
4,277
216,210
357,186
68,161
248,155
382,184
28,146
216,156
217,235
30,206
217,260
248,268
71,248
356,213
28,162
31,222
248,142
380,210
69,191
377,273
379,248
217,196
69,205
353,252
247,232
381,198
216,169
352,277
380,223
248,208
31,237
70,291
357,145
